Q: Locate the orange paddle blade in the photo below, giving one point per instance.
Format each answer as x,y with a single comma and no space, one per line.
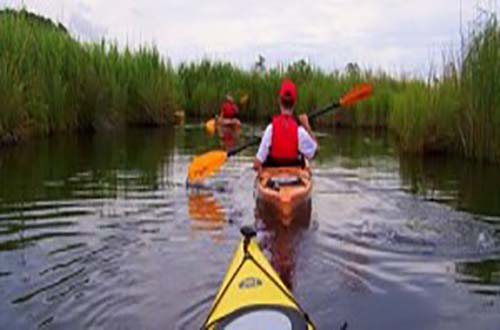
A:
205,165
359,92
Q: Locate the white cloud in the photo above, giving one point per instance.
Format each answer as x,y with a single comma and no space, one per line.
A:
82,26
392,34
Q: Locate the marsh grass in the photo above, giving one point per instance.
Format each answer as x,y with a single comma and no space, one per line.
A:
460,111
479,125
50,82
205,84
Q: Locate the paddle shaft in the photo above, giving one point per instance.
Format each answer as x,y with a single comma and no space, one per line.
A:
313,115
253,142
256,140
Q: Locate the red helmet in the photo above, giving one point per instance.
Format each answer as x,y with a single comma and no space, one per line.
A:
288,92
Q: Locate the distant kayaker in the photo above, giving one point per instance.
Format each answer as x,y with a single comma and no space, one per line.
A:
287,138
229,109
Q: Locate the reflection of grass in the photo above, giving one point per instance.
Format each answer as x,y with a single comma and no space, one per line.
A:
357,147
463,184
487,272
100,165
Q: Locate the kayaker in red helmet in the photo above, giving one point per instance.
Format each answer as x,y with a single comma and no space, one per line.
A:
229,109
287,138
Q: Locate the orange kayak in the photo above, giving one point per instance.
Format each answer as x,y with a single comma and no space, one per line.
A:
221,123
284,190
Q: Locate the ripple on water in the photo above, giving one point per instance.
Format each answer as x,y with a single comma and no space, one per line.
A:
120,243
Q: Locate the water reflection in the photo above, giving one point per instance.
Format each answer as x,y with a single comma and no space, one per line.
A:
229,136
206,213
463,184
467,186
482,277
282,242
96,232
71,210
101,165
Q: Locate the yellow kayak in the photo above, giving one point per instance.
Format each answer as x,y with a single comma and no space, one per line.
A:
253,296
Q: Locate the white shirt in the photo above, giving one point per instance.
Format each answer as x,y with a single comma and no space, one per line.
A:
307,145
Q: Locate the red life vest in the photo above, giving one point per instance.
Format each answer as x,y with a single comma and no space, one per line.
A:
228,110
285,139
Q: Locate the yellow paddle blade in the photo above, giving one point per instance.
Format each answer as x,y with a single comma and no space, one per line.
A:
205,165
210,126
244,99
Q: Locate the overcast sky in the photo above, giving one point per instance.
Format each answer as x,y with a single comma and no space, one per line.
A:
396,35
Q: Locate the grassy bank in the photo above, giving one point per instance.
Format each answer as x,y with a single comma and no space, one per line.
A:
455,111
50,82
459,112
205,83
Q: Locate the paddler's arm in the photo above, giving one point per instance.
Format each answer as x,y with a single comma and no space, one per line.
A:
264,147
236,109
221,110
308,144
304,121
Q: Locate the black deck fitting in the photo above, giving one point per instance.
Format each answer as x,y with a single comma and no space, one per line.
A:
248,231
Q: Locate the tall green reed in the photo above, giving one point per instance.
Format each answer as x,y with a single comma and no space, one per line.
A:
480,86
205,84
51,82
459,111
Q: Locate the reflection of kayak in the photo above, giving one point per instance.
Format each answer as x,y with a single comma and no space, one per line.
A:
229,135
285,190
282,242
218,122
226,122
253,296
300,218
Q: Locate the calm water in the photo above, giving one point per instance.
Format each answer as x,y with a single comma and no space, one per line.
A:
100,232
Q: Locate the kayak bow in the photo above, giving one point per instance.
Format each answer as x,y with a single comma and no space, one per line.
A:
253,294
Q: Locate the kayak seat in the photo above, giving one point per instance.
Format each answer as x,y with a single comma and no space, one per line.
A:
277,183
271,162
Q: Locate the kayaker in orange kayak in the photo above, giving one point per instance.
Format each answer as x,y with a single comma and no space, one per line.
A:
227,117
287,138
228,112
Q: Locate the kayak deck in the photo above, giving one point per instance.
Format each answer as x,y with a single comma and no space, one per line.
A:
253,293
284,189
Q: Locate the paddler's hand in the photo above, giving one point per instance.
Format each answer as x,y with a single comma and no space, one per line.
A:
257,165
